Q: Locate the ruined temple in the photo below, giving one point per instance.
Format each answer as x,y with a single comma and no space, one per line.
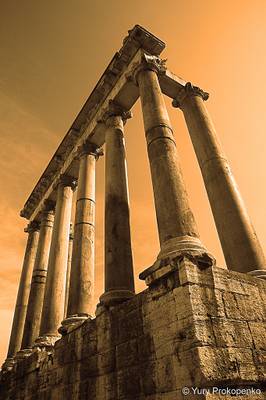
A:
198,330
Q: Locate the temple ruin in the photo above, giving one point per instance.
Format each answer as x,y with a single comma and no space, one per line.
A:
196,325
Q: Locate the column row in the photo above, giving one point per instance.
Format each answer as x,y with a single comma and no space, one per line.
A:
43,308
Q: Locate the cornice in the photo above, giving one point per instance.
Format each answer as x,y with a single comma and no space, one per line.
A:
137,38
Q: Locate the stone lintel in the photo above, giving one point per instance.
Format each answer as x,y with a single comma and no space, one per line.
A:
113,85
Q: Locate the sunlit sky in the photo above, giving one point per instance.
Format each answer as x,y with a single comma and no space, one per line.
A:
52,55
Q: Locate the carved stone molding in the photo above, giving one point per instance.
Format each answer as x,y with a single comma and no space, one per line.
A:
66,180
49,205
115,110
189,90
138,38
149,63
89,148
32,227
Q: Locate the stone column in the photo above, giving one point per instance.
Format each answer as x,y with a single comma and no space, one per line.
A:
54,297
34,311
23,292
119,278
81,288
176,225
240,244
69,260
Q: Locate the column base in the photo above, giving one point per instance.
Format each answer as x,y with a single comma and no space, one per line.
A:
8,364
24,353
258,273
115,296
46,341
171,251
72,322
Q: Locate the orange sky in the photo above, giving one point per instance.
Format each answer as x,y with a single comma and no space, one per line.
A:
52,55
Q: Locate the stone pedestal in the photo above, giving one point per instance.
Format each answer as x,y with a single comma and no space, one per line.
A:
176,225
34,311
54,297
23,292
236,233
119,279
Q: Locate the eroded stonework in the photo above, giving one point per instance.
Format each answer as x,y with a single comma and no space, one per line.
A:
194,328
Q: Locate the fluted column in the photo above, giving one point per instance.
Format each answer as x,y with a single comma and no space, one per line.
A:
69,260
23,291
119,279
81,288
34,310
54,297
176,224
240,244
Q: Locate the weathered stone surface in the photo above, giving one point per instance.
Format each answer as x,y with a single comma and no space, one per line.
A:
200,334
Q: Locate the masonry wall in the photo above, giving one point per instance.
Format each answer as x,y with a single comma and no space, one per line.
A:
194,328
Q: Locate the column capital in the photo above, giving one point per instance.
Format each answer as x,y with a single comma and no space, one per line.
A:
48,205
32,227
66,180
89,148
115,110
189,90
149,63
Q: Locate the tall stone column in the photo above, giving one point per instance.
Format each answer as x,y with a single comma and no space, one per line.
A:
54,297
176,225
81,288
69,260
34,310
119,278
23,292
240,244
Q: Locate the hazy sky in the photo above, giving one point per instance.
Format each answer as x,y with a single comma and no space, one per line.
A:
52,55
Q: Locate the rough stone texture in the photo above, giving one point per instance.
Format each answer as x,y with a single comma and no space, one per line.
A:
196,328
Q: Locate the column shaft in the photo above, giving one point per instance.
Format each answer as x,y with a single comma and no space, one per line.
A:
24,290
176,224
119,279
54,297
69,260
34,311
240,244
81,288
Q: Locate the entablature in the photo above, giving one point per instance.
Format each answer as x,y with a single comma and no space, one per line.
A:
115,85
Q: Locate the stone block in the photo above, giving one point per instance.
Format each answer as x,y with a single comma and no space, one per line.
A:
189,272
106,362
161,317
145,347
148,378
106,387
165,374
127,354
87,388
128,383
225,364
258,332
130,326
89,367
185,364
231,333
